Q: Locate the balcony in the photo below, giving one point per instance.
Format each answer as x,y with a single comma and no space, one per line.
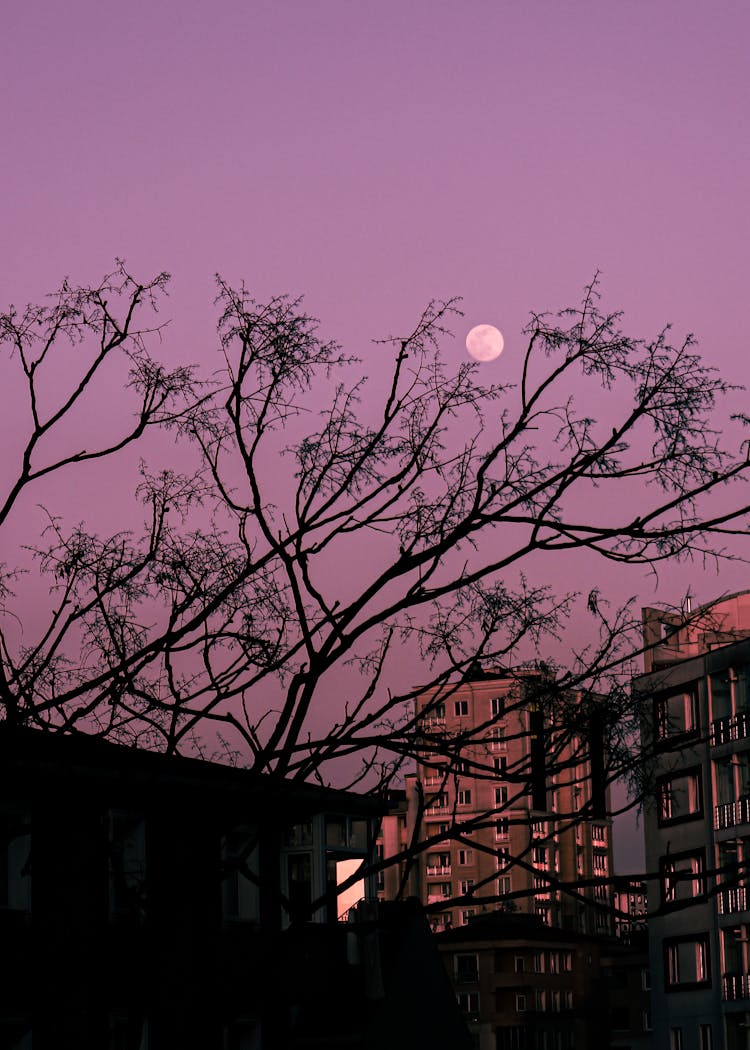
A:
732,901
438,869
730,814
725,730
735,986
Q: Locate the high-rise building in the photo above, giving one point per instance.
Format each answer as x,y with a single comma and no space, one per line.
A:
695,699
512,803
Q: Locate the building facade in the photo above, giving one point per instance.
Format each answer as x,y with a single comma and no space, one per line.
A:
510,807
695,698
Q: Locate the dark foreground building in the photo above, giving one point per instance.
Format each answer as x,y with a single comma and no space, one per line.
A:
527,986
151,902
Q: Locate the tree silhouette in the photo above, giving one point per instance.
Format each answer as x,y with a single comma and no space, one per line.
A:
407,516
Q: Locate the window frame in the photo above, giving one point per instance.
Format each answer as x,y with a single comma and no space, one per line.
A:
662,783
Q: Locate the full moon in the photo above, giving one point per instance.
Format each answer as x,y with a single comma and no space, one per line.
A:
485,342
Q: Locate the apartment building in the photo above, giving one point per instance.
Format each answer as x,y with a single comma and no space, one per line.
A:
695,699
514,808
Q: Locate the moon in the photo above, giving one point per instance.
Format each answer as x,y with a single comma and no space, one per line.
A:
485,342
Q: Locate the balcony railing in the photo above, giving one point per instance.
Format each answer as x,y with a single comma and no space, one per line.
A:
732,901
725,730
730,814
735,986
438,869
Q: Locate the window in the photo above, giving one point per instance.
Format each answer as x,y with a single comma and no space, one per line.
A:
438,863
682,876
520,1003
540,856
239,850
467,914
501,765
501,796
567,962
686,962
466,886
598,833
676,714
497,706
466,967
439,801
126,1029
464,797
15,861
675,1039
461,708
679,797
503,857
469,1002
541,999
518,964
127,864
705,1037
503,886
502,828
496,739
538,962
543,911
465,856
600,862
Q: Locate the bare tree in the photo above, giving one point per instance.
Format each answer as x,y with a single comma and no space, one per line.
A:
228,613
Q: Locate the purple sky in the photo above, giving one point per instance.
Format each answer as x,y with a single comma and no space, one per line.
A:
374,156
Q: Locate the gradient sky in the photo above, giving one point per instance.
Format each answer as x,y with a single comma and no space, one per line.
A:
372,156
